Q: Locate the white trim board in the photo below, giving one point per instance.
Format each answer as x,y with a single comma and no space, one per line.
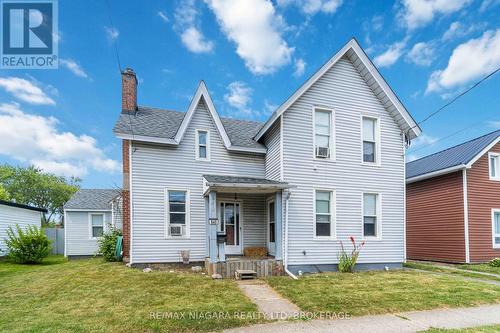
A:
412,127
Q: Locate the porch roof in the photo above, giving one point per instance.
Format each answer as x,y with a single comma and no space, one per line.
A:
242,184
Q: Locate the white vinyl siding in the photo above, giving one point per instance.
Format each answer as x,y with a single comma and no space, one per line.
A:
494,162
10,216
78,232
344,90
202,145
323,133
370,134
495,215
155,168
273,156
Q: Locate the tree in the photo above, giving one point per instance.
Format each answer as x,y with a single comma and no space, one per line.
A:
4,195
32,186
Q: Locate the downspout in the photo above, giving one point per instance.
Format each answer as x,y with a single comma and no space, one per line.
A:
285,253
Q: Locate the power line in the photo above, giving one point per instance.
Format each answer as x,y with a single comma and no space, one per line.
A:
456,98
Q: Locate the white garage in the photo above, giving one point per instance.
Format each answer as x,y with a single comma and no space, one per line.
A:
12,213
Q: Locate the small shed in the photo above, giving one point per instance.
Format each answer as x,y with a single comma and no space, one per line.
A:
12,213
87,215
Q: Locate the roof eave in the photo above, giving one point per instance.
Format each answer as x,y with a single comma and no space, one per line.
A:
436,173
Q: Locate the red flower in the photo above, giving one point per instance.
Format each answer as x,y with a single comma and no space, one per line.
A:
352,239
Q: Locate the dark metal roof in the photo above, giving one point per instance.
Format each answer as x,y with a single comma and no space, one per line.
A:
241,180
92,199
15,204
454,156
164,124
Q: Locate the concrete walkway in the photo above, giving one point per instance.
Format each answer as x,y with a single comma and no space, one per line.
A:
391,323
269,302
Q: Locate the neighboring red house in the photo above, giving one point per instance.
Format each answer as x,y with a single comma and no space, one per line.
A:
453,203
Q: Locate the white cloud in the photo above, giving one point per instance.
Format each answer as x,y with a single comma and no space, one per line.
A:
418,13
186,23
424,140
35,139
163,16
112,33
411,157
74,67
458,29
25,91
300,67
391,55
469,61
495,124
312,7
195,41
421,54
255,27
239,96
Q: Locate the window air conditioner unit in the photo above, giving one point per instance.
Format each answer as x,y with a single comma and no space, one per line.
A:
176,230
323,152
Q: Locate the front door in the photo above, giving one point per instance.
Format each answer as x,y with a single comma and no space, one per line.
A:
271,228
230,224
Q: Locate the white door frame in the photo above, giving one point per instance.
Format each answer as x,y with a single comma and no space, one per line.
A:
271,247
232,249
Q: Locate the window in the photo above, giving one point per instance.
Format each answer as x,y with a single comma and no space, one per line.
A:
371,215
496,228
323,213
323,133
97,225
494,166
202,145
177,215
370,134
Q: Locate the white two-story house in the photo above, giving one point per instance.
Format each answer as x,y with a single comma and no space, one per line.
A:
328,164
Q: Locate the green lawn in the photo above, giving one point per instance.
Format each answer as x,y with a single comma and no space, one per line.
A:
481,329
366,293
93,296
480,268
443,269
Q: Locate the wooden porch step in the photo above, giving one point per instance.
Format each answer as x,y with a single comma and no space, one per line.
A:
245,274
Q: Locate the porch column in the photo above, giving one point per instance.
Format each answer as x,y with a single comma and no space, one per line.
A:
279,225
212,228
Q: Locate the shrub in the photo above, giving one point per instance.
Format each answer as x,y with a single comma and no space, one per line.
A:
347,260
107,244
27,246
495,262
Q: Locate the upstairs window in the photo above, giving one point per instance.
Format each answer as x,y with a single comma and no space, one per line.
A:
324,200
370,144
371,215
494,159
202,145
97,225
323,134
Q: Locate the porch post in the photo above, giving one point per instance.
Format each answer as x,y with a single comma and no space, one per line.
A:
279,225
212,228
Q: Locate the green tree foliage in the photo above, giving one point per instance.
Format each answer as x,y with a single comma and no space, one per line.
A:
27,246
4,195
32,186
107,244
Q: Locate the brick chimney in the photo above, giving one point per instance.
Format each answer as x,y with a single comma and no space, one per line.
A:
129,90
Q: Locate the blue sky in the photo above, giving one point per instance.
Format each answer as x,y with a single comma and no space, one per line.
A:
252,57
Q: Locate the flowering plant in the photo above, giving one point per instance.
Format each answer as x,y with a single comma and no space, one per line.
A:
347,260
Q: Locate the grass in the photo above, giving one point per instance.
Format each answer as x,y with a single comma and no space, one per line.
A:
480,329
93,296
480,268
441,269
367,293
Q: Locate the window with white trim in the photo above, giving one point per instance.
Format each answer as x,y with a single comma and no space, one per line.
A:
323,213
177,212
494,162
96,225
323,133
202,145
370,144
371,214
496,228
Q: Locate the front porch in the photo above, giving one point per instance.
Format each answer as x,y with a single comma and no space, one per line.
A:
243,214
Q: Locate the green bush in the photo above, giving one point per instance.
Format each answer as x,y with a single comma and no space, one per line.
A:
107,244
495,262
28,246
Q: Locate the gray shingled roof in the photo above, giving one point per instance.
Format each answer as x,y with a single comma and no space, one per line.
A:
240,180
92,199
454,156
163,124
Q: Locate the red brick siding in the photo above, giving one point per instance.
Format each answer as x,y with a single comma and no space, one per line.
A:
483,194
435,220
126,200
